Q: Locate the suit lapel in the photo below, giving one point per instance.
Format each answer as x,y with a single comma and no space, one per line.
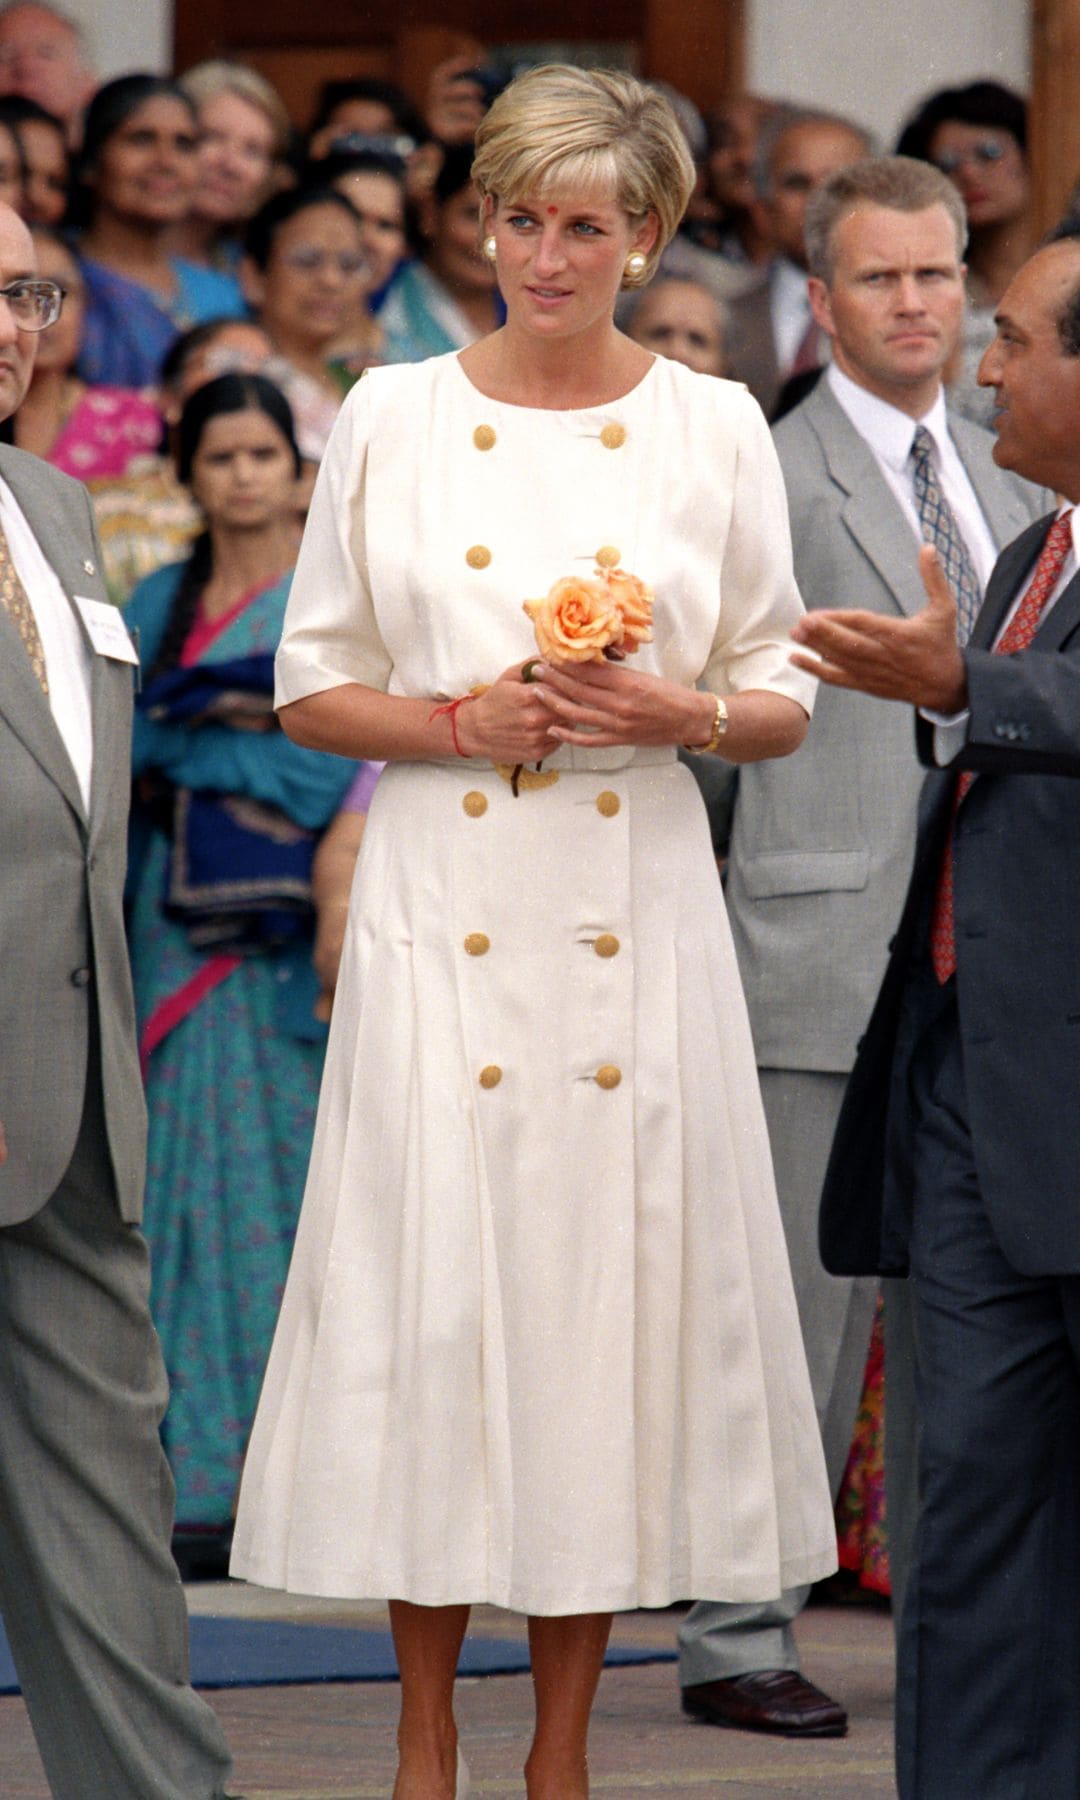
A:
869,511
999,497
21,699
1012,567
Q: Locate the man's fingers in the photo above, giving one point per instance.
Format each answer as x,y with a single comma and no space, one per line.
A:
938,592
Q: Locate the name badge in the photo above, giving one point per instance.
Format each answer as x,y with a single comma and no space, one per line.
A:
108,633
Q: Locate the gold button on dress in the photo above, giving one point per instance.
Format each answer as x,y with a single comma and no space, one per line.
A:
613,436
607,944
484,437
491,1076
475,803
607,557
477,944
608,1076
478,557
608,803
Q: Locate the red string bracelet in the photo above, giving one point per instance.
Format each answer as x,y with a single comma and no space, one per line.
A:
450,709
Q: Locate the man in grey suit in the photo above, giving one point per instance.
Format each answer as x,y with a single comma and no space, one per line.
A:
90,1597
957,1149
821,846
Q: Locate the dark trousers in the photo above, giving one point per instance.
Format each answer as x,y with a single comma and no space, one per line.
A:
988,1693
88,1590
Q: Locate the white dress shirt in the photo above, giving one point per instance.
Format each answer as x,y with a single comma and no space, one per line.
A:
67,654
889,433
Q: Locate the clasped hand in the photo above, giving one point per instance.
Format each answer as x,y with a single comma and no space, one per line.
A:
596,704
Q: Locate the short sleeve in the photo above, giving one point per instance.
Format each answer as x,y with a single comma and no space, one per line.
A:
331,636
759,601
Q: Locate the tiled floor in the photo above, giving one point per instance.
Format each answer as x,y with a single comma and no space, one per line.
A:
335,1742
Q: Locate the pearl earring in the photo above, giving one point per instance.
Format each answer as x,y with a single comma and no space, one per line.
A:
489,248
634,266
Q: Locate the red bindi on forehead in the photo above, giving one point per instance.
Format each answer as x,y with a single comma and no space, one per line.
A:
552,210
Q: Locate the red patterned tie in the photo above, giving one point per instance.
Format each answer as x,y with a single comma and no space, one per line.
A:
1016,636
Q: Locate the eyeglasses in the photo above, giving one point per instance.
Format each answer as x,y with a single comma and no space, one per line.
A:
34,305
308,260
987,150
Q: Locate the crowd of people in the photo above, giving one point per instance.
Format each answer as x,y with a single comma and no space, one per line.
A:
212,284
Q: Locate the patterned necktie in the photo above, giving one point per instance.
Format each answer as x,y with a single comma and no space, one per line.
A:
1016,636
939,528
14,598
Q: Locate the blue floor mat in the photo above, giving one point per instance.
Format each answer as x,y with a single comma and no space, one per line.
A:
269,1653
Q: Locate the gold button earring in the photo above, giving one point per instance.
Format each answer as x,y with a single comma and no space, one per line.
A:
488,248
635,266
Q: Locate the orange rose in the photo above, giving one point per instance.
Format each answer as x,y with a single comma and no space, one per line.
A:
635,603
576,620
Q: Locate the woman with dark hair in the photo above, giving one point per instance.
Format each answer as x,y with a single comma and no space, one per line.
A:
450,297
136,178
305,273
94,433
977,135
373,181
12,168
43,146
227,813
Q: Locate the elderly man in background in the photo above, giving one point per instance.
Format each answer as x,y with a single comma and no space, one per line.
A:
773,333
821,848
43,58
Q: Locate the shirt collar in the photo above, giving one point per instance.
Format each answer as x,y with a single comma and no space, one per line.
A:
885,427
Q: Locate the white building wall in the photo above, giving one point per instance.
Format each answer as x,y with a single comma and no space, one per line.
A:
875,60
125,35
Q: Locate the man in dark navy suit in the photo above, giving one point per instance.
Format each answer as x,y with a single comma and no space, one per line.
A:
957,1154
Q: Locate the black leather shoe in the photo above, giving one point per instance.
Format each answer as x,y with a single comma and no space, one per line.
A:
776,1700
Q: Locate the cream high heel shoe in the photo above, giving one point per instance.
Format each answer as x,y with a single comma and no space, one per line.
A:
463,1789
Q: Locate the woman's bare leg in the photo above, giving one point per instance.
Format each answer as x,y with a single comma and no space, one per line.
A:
567,1657
427,1640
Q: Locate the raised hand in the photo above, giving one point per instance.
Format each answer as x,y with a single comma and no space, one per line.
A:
916,659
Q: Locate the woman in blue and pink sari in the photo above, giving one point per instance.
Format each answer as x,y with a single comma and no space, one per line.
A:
226,817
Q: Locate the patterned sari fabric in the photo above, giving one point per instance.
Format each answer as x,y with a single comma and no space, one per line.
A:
860,1508
232,1057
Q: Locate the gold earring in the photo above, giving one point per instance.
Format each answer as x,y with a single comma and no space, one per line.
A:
488,247
635,266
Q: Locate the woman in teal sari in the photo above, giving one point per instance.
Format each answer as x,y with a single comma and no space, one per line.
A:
226,816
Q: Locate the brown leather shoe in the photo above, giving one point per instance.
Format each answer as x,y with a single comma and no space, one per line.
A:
777,1700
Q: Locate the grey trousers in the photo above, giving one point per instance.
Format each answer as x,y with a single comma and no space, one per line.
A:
89,1593
719,1640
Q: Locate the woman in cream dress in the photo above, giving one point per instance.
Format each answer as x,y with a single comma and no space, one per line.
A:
539,1346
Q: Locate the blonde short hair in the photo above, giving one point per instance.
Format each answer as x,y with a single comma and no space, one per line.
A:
558,127
207,80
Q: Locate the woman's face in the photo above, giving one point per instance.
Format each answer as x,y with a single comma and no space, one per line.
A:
46,172
315,280
242,474
989,168
454,252
560,259
380,202
58,346
146,171
11,174
681,320
235,160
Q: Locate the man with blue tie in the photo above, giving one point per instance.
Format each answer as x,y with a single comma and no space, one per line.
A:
957,1148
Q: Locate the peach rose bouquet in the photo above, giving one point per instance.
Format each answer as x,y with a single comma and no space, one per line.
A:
604,616
588,618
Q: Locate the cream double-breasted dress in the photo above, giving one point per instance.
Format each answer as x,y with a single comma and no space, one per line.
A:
539,1345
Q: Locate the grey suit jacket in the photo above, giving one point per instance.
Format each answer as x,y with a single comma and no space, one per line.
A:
1016,838
822,841
63,956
